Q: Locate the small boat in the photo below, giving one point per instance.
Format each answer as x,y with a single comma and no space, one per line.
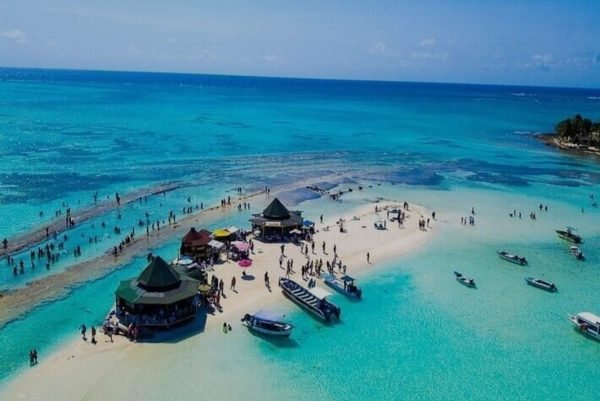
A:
539,283
313,299
344,284
587,323
577,253
509,257
569,235
267,323
464,280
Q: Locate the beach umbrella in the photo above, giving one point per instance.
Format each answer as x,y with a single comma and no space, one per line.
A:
245,263
221,233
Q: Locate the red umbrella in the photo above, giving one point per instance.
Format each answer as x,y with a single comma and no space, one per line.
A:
245,263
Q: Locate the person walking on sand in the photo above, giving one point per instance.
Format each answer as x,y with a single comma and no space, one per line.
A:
93,335
233,284
368,257
267,283
83,331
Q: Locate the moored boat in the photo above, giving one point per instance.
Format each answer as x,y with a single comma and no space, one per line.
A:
313,300
509,257
577,253
587,323
464,280
264,322
543,284
345,284
569,235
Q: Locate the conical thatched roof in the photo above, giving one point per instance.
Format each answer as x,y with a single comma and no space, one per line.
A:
276,211
158,276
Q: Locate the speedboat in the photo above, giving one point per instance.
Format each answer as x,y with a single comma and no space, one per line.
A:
577,253
569,235
345,284
313,299
264,322
509,257
539,283
587,323
464,280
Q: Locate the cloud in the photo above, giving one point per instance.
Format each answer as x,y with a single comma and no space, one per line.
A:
427,42
429,55
542,62
378,48
271,58
15,35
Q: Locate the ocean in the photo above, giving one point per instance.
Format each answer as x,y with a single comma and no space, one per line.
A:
418,334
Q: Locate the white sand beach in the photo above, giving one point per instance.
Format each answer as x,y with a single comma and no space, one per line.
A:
82,371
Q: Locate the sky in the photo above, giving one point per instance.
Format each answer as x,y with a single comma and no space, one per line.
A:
548,43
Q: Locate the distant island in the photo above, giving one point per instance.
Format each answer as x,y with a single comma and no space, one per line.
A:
575,133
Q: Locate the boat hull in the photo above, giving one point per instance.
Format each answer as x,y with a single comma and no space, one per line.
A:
576,239
550,287
353,295
466,281
322,309
267,332
586,331
513,259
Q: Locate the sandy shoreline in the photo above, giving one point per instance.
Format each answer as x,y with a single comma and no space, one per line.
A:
65,375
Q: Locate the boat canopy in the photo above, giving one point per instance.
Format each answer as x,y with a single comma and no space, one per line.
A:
319,292
266,315
590,317
347,278
233,229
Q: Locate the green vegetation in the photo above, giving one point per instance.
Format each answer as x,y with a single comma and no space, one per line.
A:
579,130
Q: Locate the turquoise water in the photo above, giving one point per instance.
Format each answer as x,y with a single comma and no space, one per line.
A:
418,334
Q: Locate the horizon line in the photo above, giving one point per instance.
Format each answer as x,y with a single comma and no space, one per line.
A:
293,77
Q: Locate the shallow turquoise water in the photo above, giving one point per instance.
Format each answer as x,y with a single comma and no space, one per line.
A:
418,334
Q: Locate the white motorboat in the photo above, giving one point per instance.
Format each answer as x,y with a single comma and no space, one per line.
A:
587,323
271,324
509,257
542,284
345,284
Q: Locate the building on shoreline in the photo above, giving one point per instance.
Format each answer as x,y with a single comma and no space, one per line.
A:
200,246
276,221
159,297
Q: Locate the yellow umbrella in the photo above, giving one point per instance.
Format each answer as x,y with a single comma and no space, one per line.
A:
221,233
